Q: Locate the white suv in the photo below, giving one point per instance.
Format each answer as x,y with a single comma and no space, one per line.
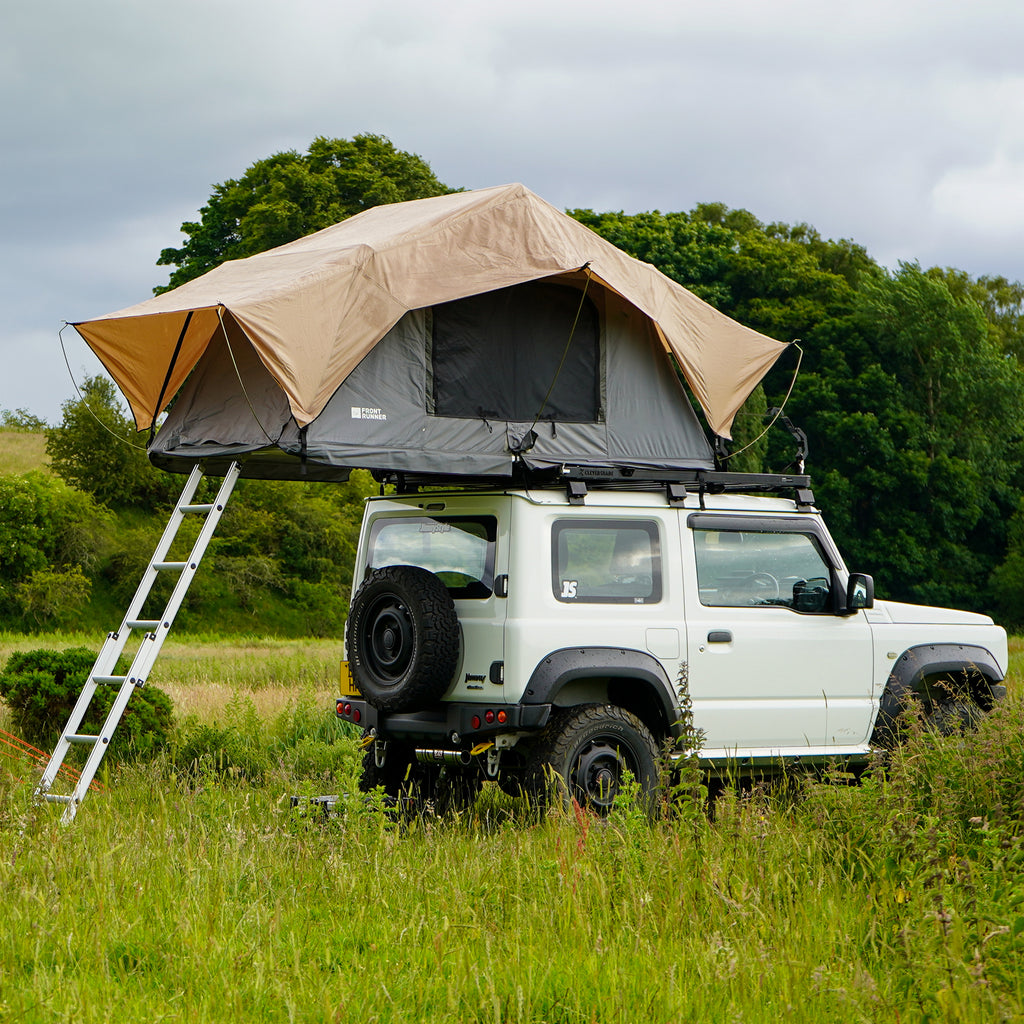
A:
518,635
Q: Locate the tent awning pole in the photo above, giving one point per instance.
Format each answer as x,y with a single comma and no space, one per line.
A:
167,378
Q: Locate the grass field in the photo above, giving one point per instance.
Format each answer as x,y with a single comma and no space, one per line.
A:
22,450
203,897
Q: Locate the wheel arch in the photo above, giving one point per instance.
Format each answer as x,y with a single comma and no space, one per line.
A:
630,679
920,668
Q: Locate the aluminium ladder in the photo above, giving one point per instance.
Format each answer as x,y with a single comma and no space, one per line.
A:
154,632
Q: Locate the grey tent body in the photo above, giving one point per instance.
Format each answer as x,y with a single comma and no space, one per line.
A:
505,384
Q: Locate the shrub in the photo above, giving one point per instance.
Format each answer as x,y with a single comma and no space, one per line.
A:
41,688
203,750
52,596
44,523
305,741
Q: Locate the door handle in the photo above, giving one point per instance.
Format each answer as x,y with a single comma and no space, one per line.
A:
720,636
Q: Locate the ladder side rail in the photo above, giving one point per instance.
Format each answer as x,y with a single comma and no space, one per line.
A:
149,650
60,751
114,644
159,555
99,749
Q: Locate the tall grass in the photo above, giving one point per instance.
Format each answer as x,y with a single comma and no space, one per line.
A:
202,896
199,902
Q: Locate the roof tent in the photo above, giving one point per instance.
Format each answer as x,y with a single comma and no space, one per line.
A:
463,335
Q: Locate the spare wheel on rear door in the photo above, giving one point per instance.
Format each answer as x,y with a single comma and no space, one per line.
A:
403,638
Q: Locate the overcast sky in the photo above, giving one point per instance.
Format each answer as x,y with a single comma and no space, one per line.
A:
897,123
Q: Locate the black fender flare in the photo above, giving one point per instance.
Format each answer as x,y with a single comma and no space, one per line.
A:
658,698
917,664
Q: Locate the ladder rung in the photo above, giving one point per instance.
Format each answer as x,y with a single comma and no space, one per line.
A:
196,509
78,737
109,680
169,566
57,798
147,624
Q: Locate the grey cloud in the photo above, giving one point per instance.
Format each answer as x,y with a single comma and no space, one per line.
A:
896,124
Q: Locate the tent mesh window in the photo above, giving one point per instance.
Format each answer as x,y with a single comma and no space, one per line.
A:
496,355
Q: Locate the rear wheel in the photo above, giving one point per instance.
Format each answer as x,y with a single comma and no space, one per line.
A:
952,704
584,753
414,787
393,775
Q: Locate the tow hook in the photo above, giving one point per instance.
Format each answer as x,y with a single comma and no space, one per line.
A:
493,757
380,752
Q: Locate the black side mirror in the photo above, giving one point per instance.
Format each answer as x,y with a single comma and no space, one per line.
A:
860,592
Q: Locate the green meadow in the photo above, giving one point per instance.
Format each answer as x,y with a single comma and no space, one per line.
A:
190,889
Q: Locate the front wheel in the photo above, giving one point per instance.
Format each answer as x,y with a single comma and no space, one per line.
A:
584,753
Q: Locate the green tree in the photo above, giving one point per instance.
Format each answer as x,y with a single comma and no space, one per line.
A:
919,414
291,194
51,537
97,449
53,596
778,279
21,421
1002,302
45,524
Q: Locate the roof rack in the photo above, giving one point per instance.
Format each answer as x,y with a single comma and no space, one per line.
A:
579,479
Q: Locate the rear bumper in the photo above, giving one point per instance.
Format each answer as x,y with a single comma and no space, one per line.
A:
456,723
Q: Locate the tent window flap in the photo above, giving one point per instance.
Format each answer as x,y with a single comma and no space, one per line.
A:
496,355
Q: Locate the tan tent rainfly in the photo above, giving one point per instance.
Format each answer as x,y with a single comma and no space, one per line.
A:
314,308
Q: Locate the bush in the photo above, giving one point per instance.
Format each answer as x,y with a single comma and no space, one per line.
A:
304,742
204,750
45,523
41,688
53,596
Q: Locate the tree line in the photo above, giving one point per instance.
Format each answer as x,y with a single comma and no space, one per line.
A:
910,392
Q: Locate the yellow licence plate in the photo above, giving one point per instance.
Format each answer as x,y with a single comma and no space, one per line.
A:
348,684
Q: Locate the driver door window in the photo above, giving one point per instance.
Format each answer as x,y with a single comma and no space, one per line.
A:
746,568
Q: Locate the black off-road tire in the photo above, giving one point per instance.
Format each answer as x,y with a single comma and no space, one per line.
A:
393,776
403,638
960,710
581,755
414,788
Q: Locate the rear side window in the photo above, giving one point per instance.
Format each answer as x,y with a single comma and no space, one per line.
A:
606,562
459,550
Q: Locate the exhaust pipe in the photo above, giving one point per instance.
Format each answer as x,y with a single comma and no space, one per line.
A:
456,757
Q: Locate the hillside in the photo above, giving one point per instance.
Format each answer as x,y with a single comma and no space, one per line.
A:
22,450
